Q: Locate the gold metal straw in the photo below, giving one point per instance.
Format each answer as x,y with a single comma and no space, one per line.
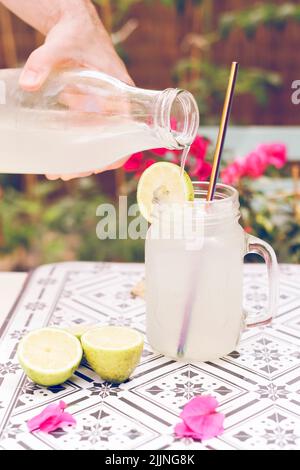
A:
222,131
210,195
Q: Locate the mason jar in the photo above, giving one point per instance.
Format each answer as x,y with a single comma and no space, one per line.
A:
194,277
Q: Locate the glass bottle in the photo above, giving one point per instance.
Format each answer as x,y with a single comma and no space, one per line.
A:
83,120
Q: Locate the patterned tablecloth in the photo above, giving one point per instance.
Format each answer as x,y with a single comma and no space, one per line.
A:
258,388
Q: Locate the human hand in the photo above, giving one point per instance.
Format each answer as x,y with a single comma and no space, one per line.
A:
76,38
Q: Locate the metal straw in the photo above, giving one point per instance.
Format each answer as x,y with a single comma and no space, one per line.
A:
222,131
210,195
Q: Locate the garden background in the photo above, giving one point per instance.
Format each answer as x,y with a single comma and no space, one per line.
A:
165,43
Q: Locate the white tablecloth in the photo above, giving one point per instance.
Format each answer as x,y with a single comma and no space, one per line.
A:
257,386
10,286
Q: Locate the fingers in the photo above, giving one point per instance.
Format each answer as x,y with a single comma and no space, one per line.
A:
114,166
38,67
69,177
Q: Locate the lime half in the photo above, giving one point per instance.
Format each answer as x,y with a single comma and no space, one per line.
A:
79,330
49,356
163,182
113,351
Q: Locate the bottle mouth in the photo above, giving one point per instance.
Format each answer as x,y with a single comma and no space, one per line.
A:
177,118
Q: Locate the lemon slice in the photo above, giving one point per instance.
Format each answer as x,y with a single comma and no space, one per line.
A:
113,351
163,182
49,356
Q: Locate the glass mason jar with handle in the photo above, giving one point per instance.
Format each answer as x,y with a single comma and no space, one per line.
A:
85,120
194,277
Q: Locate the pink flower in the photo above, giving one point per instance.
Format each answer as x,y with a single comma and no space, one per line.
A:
134,162
276,154
51,418
203,171
146,164
160,152
233,172
255,164
199,147
200,419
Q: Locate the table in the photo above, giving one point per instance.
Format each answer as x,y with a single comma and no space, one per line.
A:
257,388
11,284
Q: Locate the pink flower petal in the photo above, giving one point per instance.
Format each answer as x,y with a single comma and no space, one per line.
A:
67,419
182,430
134,162
48,412
200,419
199,406
207,426
276,153
50,424
51,418
233,172
160,152
256,163
199,147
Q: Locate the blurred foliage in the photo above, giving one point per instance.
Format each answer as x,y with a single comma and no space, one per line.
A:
211,80
119,8
57,223
51,225
273,216
266,14
197,72
207,81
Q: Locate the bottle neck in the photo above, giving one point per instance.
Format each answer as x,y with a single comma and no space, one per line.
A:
176,118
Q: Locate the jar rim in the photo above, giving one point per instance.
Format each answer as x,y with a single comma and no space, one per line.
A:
225,205
223,193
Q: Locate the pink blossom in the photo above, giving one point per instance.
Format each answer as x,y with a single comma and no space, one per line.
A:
161,152
51,418
134,162
204,171
233,172
182,430
199,147
276,154
137,164
255,164
200,419
147,163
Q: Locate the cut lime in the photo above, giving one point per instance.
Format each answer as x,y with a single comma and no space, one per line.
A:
49,356
79,330
163,182
112,351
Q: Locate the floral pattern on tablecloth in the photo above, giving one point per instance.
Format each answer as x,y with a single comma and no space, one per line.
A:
258,386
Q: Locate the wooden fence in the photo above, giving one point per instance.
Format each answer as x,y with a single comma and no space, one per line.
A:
156,45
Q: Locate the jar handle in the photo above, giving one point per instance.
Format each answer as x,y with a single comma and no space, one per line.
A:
263,249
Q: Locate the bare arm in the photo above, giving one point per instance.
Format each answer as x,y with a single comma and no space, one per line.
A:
74,34
40,14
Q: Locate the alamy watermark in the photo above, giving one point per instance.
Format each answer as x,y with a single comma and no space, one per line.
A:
174,221
296,93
